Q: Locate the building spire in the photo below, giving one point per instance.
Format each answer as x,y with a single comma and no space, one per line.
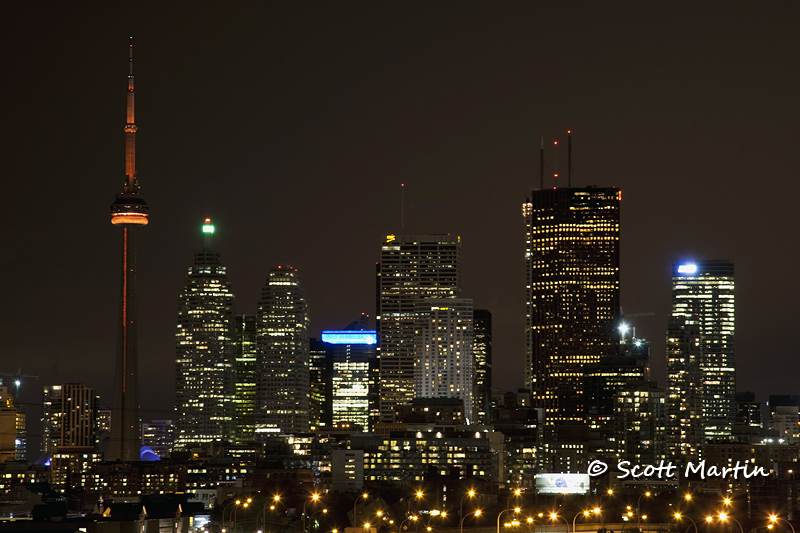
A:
208,231
131,183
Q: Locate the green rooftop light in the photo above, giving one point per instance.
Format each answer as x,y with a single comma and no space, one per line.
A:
208,227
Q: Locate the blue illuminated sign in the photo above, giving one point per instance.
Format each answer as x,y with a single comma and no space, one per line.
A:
689,268
350,337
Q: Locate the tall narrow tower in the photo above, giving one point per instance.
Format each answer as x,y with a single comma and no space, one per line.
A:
129,211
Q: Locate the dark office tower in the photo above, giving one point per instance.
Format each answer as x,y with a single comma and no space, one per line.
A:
748,410
411,267
602,381
702,293
319,386
685,432
482,348
282,378
205,353
129,211
246,354
572,292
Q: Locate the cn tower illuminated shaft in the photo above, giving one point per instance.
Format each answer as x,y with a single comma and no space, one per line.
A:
128,211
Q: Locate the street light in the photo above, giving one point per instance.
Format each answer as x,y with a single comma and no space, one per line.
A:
315,498
678,516
243,504
724,516
516,494
311,518
355,516
412,518
775,518
554,516
515,509
596,510
470,494
638,502
476,512
275,499
225,509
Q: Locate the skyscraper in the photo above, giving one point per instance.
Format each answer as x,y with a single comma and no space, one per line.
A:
320,372
684,427
482,348
702,294
572,292
246,354
411,267
205,357
129,211
159,435
51,418
69,417
282,369
350,353
445,362
8,425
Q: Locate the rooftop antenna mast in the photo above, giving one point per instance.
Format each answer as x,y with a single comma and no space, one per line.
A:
555,163
541,163
402,208
569,158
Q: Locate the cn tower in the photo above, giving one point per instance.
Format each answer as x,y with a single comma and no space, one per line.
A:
129,212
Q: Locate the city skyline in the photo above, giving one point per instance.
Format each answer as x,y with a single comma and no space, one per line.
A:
350,112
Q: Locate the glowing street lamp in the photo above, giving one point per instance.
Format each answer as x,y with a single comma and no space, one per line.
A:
678,517
275,499
315,498
413,518
775,518
225,509
476,512
355,510
516,494
243,504
470,494
554,516
638,502
515,509
724,516
585,513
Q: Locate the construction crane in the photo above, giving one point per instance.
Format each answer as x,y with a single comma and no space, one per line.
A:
18,381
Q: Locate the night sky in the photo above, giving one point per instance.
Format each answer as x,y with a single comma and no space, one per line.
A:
293,124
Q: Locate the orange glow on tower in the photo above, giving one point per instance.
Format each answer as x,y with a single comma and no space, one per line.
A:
128,211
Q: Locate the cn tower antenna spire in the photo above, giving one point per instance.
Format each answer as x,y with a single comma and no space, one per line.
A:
131,183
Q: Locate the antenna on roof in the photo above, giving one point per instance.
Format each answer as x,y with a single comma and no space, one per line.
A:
555,163
402,207
541,163
569,158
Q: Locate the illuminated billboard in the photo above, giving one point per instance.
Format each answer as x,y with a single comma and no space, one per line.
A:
689,268
562,483
350,337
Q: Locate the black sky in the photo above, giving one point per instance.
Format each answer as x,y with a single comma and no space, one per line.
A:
292,125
